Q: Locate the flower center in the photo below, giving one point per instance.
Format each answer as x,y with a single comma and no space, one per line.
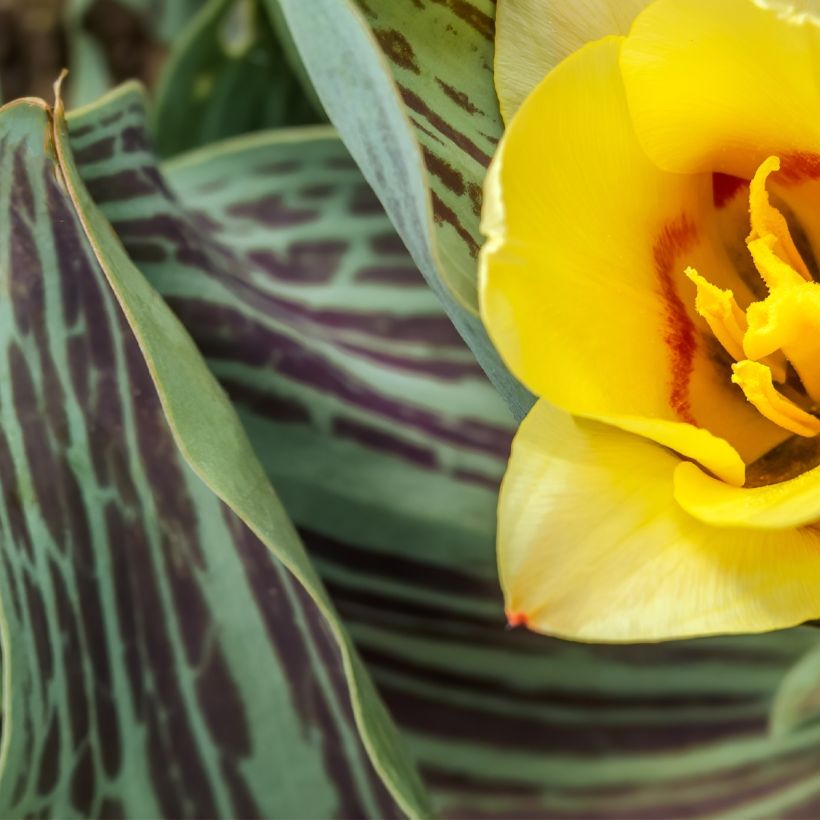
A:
776,340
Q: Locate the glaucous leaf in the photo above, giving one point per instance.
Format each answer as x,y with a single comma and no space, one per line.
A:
279,260
167,647
409,86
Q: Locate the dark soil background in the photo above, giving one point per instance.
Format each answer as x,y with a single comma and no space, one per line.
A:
34,45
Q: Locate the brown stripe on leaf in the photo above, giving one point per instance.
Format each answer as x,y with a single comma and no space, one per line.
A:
483,23
267,580
444,214
303,263
458,97
272,212
438,167
397,48
441,125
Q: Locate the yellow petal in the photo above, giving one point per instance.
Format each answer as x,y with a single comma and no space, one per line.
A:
720,85
533,36
792,503
582,283
594,547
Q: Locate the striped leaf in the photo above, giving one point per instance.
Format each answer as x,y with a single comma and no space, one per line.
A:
167,647
274,254
288,275
408,83
227,74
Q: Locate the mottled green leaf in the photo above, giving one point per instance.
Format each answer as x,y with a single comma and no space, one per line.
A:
167,648
278,233
426,164
289,276
227,75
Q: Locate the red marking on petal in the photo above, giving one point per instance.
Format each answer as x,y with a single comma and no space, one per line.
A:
674,239
798,166
515,619
725,187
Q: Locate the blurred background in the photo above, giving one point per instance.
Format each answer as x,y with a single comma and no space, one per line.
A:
39,37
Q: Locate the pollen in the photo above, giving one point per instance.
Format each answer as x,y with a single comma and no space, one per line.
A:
778,334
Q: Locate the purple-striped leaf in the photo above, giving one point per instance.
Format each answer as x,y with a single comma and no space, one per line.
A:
167,647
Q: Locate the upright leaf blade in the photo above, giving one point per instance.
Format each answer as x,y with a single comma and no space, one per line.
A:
157,658
210,436
359,93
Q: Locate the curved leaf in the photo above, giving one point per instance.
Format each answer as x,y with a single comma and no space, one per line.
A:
285,270
158,659
424,164
209,434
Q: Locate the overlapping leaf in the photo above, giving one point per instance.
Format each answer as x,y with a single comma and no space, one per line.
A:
158,659
228,74
408,83
287,273
275,255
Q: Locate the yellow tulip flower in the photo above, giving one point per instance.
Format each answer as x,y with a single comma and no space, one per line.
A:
653,233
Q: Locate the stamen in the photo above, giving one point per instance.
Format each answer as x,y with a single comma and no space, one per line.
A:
755,379
727,321
767,220
721,312
775,272
788,320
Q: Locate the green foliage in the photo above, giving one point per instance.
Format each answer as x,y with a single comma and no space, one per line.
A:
227,75
432,189
187,657
178,642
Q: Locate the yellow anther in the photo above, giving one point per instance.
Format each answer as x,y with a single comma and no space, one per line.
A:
721,312
727,321
755,379
775,272
788,320
767,220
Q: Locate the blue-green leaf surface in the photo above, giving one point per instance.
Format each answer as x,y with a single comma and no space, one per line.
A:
167,648
424,166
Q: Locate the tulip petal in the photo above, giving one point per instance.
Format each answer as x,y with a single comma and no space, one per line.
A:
791,503
582,278
594,547
533,36
721,86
